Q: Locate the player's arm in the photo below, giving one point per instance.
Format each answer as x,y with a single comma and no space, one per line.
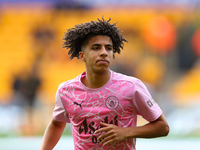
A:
157,128
52,134
113,133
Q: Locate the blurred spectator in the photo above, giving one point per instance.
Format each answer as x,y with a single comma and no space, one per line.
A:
185,54
43,38
25,88
160,34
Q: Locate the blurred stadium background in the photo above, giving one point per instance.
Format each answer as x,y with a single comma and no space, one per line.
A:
163,51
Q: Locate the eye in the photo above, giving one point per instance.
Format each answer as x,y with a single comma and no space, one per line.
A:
109,48
95,48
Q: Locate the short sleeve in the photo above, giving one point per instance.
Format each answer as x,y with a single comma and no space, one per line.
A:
59,113
144,104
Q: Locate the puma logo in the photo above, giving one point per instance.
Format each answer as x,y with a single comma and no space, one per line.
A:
75,103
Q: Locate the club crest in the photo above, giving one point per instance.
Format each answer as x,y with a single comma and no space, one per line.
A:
112,102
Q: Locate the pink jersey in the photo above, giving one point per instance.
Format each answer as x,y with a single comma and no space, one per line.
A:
118,102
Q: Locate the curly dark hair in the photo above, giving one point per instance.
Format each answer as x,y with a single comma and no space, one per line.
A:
76,37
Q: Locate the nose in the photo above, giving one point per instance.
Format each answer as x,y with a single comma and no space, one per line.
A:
103,52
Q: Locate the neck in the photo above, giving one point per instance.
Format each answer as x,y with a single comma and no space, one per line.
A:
96,80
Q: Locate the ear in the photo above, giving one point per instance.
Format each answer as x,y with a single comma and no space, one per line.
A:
81,56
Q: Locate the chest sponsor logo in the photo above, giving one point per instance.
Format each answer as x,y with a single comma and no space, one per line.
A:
112,102
89,127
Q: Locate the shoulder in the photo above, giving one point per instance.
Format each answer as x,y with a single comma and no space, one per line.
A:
122,77
68,83
128,82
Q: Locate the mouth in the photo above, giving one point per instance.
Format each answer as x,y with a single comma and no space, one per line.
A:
103,61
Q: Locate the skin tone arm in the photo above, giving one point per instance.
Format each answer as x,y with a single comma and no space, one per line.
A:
114,133
52,134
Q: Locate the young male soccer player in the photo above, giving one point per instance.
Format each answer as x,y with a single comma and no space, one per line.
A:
102,105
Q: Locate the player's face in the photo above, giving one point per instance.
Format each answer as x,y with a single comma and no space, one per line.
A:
98,54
